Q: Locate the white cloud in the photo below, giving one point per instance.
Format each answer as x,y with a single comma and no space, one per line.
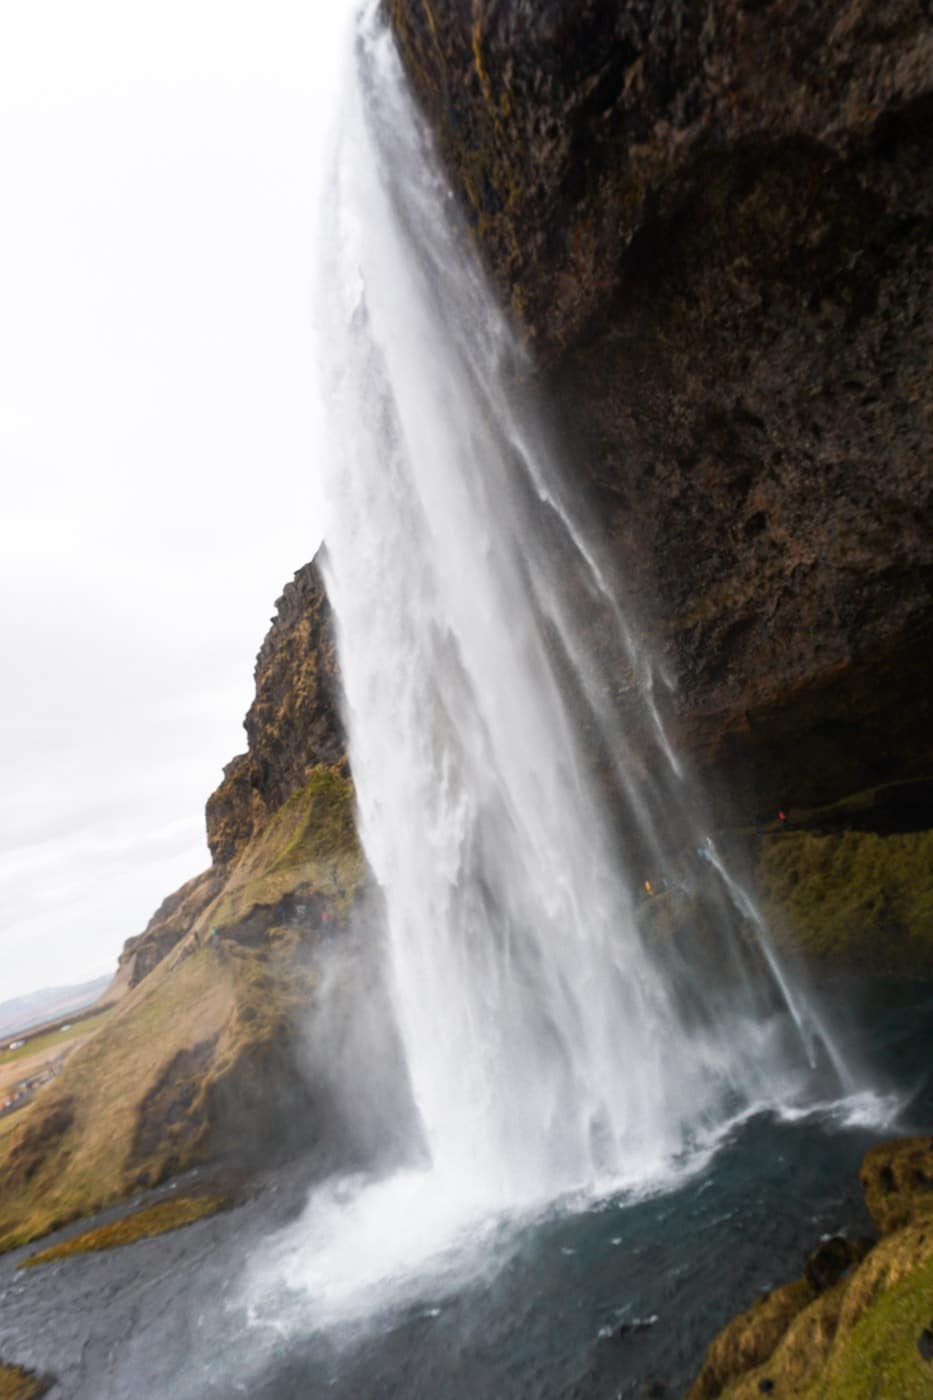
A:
161,171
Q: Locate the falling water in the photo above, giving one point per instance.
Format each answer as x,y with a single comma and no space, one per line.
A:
507,812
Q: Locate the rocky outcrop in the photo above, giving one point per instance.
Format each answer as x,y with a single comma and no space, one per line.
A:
858,899
854,1324
233,1047
294,722
713,225
292,726
211,1054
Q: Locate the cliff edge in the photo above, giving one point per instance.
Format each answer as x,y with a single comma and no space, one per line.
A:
238,1002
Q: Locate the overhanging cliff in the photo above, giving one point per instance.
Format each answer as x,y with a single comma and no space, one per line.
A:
713,226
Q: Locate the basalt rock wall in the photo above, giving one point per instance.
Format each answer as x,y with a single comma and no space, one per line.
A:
294,722
712,223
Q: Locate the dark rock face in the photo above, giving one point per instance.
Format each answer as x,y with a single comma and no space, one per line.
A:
293,723
713,225
832,1260
292,726
167,927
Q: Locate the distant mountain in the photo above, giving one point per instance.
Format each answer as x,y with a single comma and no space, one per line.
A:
33,1009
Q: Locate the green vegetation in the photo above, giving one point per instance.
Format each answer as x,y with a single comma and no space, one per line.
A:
66,1154
198,1058
141,1225
309,843
17,1384
855,1339
882,1348
54,1038
857,895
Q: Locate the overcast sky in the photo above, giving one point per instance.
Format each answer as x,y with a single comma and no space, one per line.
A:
160,168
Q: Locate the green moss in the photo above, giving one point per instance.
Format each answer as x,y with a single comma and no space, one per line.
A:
880,1355
141,1225
17,1384
310,842
749,1339
856,1341
857,1338
857,895
202,1044
54,1038
896,1178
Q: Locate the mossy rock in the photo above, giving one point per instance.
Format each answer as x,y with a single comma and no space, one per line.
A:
845,1334
854,896
310,843
881,1356
203,1059
751,1338
897,1179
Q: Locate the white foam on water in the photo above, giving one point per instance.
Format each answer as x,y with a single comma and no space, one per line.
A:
865,1108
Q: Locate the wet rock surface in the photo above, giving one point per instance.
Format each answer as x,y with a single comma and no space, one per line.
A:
713,225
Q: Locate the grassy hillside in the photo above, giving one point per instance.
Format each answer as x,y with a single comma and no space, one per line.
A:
193,1063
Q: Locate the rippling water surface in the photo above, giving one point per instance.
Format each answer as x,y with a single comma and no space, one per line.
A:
614,1298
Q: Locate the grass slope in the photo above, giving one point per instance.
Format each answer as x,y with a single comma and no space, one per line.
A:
40,1043
141,1225
188,1065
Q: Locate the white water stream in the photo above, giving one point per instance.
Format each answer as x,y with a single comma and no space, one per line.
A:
551,1050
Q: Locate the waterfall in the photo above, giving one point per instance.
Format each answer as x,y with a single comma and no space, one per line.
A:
556,1041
